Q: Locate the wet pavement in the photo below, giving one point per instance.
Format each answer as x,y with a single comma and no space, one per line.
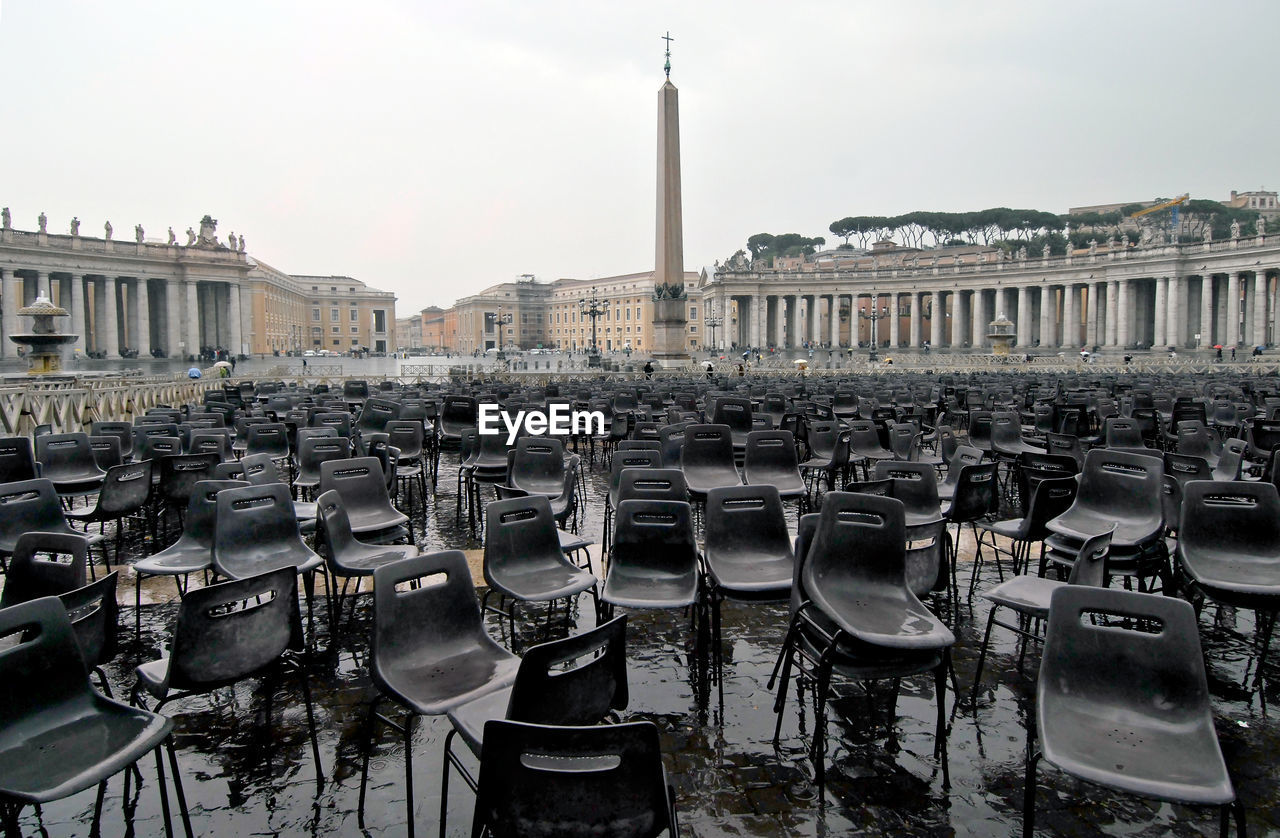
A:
247,774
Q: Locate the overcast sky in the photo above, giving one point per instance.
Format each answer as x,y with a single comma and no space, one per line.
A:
432,149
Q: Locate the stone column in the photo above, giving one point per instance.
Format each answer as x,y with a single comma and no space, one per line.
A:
833,320
129,301
109,327
1049,316
960,329
793,319
1070,320
142,341
978,319
1024,315
1207,311
915,319
192,332
1113,313
173,317
1124,314
936,319
11,302
1176,316
895,326
1160,337
1091,316
1259,337
79,323
1233,309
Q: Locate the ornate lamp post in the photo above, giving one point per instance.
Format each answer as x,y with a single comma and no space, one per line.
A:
712,320
594,308
500,320
877,313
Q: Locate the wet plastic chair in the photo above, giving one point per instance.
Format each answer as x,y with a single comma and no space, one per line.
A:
747,553
347,557
854,614
32,506
976,497
363,486
95,616
177,477
606,779
577,680
537,467
125,491
62,735
312,451
1029,596
770,460
653,561
409,437
31,575
430,652
707,459
375,414
865,447
225,633
260,470
67,460
1124,707
1229,551
192,552
523,561
1232,459
121,430
17,459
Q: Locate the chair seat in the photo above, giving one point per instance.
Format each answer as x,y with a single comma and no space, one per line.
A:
1233,575
180,558
572,541
1009,527
751,574
443,683
543,581
105,736
861,663
375,520
916,518
699,482
1081,524
651,589
886,619
468,719
1025,594
367,558
154,677
1138,754
263,563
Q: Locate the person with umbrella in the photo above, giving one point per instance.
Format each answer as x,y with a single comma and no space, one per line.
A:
1218,357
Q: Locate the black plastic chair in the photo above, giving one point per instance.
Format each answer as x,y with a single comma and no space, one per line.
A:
707,459
36,569
225,633
32,506
770,460
67,460
653,561
363,486
537,467
747,553
178,476
95,616
855,615
600,780
1028,596
61,735
1229,551
577,680
125,491
260,470
192,552
121,430
312,451
864,445
17,459
523,561
1127,708
347,557
430,652
977,496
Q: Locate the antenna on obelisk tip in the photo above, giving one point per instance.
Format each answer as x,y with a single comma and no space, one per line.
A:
666,68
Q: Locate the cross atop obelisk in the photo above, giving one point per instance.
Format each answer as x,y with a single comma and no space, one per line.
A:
667,67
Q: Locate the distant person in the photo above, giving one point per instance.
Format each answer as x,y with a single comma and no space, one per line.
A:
1257,351
304,363
710,370
194,372
648,370
1233,353
1218,356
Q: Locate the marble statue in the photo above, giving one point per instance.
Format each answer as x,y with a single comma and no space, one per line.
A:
1208,233
107,228
1093,247
1111,243
138,233
172,238
5,218
208,228
75,226
241,247
1124,242
1044,251
1260,226
1144,238
1022,253
191,237
43,222
231,241
1235,228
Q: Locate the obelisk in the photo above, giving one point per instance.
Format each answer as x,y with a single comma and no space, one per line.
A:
670,314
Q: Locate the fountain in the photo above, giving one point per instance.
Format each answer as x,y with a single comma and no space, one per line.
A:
44,344
1002,335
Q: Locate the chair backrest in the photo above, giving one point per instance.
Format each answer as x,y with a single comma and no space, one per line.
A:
538,464
770,455
360,480
733,412
95,616
551,779
671,443
314,450
1090,565
125,489
43,671
121,430
746,519
706,446
231,630
106,451
904,441
64,454
519,532
652,484
29,506
1048,499
576,680
202,511
1123,485
654,534
253,522
915,484
1065,445
260,470
17,459
376,413
645,458
45,564
1151,666
408,435
180,473
821,437
269,438
860,541
1231,518
976,493
146,447
211,441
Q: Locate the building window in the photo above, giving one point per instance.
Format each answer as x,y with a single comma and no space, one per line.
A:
379,320
333,314
355,330
693,312
355,315
693,329
315,314
334,329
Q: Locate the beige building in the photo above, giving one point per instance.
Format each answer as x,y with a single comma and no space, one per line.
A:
297,313
409,332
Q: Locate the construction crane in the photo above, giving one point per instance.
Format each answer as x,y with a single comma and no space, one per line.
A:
1185,197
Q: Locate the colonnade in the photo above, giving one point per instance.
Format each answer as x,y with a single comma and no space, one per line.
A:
111,313
1199,310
